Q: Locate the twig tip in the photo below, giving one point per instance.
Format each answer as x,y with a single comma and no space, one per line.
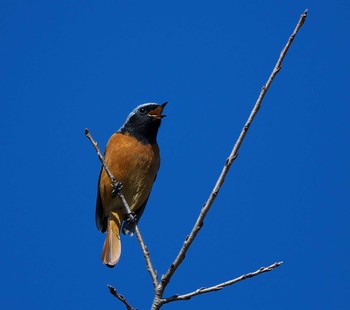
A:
86,131
111,288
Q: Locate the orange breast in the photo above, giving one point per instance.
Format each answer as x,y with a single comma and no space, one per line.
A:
133,164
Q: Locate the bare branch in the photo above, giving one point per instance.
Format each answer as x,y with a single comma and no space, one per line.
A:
233,155
220,286
114,292
100,157
147,257
117,186
160,286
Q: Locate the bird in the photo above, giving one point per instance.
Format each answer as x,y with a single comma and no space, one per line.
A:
132,156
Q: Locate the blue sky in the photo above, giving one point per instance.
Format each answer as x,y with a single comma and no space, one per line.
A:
68,65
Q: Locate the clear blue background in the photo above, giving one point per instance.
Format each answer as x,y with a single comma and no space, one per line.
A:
67,65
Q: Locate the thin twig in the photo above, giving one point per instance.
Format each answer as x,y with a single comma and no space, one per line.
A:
233,155
117,186
114,292
146,255
220,286
100,156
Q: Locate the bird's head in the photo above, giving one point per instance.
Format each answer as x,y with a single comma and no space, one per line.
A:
144,121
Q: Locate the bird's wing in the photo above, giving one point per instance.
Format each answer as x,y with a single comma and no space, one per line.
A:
100,217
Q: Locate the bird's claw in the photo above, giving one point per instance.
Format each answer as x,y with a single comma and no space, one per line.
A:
129,224
116,188
131,218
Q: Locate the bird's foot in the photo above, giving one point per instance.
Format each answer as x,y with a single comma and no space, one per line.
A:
116,188
129,224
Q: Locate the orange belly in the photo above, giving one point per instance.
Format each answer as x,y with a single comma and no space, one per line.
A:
133,164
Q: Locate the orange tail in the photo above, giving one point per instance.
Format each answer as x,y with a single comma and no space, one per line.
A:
112,246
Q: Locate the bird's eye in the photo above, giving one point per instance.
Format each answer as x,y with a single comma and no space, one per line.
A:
143,110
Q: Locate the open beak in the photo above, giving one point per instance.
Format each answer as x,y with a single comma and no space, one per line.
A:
157,112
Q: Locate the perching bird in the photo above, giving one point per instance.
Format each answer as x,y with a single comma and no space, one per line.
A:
132,156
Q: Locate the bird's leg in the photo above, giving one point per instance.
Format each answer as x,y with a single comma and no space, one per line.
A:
116,188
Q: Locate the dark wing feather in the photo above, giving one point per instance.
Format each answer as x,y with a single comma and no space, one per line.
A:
100,218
